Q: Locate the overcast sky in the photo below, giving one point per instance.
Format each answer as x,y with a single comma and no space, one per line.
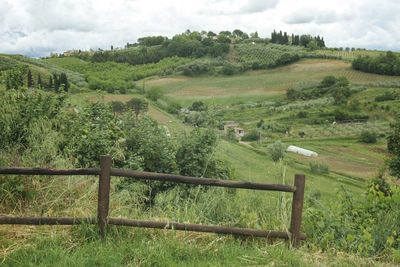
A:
38,27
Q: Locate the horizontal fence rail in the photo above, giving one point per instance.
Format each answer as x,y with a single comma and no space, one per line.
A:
150,176
201,181
148,224
105,172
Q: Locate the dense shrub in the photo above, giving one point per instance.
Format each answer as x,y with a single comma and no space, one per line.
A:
198,106
173,107
367,225
91,132
21,109
154,93
368,137
253,135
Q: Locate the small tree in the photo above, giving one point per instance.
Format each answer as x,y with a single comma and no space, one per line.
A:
39,81
64,80
154,93
276,150
368,137
198,106
117,106
137,105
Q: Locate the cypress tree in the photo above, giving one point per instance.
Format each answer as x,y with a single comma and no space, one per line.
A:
39,81
64,81
56,82
50,83
30,80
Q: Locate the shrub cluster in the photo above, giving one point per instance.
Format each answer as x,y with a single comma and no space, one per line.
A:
388,64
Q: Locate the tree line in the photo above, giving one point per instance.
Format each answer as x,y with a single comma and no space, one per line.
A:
305,40
154,48
386,64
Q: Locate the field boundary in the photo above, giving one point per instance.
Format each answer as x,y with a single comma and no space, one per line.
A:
105,172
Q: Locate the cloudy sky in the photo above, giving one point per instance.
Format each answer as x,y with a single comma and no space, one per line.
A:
38,27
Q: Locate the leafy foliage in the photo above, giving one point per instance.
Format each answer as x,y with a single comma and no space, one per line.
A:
137,105
194,155
393,143
368,137
91,132
253,135
367,226
14,78
7,63
117,76
388,64
19,110
154,93
276,150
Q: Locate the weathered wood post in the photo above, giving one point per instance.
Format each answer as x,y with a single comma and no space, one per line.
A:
297,209
104,192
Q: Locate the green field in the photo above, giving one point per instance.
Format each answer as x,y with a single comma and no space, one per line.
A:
263,85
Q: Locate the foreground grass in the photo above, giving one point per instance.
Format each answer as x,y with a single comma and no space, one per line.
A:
81,246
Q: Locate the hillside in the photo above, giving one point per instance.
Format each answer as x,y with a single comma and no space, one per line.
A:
309,98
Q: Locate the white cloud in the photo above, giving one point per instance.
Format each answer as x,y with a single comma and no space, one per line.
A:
38,27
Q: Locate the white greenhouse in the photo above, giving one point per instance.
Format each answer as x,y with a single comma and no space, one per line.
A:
301,151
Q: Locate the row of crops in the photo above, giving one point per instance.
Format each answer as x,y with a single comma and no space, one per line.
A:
348,55
263,56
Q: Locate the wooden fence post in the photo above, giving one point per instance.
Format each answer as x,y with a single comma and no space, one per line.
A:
104,192
297,209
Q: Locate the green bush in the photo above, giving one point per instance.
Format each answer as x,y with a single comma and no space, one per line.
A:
173,107
276,150
319,167
154,93
253,135
368,137
367,225
92,132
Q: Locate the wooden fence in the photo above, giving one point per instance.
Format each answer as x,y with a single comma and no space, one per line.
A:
105,172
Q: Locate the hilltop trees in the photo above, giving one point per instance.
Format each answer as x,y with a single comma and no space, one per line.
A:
304,40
